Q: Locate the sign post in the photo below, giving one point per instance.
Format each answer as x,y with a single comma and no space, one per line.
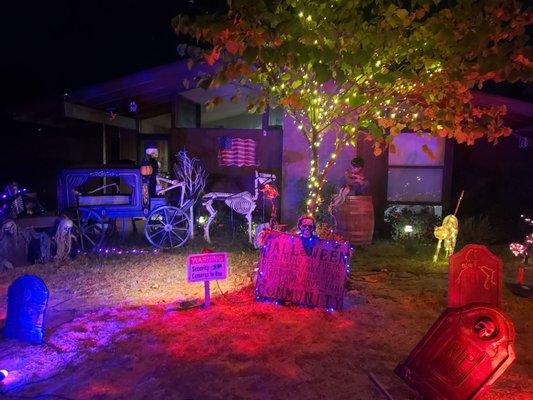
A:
207,267
207,295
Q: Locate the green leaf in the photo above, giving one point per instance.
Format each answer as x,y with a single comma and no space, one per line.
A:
375,130
296,84
364,122
250,54
323,73
403,15
356,101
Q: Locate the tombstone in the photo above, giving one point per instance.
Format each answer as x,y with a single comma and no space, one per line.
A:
26,303
474,276
463,353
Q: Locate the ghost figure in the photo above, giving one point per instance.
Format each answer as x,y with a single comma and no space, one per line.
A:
10,228
63,238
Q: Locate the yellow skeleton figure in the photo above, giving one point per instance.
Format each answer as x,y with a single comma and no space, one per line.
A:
447,233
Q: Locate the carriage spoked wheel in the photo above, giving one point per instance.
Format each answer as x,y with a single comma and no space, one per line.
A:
88,227
167,227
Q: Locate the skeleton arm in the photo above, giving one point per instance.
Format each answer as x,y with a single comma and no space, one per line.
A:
173,184
103,187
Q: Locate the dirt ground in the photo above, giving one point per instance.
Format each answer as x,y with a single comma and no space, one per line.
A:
114,330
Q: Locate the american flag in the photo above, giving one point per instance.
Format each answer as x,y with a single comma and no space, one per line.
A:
236,151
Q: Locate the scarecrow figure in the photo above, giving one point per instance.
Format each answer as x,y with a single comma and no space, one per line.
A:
353,183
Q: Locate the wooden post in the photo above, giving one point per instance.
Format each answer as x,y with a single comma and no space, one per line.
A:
198,109
207,295
104,152
265,119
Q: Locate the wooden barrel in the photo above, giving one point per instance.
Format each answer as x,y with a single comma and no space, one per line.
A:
355,219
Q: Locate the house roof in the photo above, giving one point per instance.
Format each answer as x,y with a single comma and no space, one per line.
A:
519,113
153,91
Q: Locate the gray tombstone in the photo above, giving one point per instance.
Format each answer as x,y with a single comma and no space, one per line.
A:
26,303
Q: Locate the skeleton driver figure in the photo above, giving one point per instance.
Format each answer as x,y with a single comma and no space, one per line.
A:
151,156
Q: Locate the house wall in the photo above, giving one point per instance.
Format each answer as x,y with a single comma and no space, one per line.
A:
241,121
203,143
158,124
295,167
376,170
498,184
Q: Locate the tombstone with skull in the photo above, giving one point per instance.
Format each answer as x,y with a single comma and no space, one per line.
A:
462,354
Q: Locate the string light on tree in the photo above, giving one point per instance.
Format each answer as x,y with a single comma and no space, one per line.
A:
318,72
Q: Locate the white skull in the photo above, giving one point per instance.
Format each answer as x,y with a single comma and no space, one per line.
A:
10,227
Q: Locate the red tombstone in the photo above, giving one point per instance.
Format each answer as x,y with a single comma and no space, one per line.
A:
462,354
474,276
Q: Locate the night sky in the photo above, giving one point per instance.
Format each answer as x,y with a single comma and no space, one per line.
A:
49,48
52,47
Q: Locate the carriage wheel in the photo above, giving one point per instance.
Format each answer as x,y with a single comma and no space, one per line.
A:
167,227
88,228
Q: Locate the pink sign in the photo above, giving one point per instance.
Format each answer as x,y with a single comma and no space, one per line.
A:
309,273
207,267
474,276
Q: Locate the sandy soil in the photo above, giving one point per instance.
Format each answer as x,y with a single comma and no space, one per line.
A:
114,330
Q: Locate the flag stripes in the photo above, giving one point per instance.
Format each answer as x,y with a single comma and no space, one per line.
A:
236,151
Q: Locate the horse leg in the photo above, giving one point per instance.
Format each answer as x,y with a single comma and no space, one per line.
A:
212,213
453,243
436,256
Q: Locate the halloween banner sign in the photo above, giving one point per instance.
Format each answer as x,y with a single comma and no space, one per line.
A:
302,271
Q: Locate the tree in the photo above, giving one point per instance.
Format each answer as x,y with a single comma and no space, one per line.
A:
376,68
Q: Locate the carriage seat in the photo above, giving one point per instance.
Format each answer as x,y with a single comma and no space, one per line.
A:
104,200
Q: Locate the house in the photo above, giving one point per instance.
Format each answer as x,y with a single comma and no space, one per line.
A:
162,104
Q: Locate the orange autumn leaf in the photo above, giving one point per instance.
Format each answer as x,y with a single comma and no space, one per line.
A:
385,122
212,56
377,149
521,59
225,34
233,47
291,100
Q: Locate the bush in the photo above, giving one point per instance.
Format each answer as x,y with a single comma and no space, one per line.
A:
476,230
422,220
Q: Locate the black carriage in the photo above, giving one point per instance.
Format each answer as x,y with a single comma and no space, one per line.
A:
93,211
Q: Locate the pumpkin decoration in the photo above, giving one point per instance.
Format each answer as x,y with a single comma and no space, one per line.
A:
146,170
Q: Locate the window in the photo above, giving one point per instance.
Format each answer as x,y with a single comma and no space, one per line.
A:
414,177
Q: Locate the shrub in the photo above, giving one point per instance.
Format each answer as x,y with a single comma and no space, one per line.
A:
422,219
476,230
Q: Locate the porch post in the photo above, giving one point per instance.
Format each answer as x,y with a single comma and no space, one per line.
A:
104,152
265,119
